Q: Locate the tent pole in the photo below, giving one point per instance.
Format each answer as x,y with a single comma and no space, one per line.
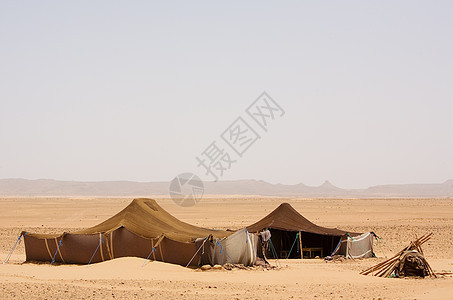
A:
300,242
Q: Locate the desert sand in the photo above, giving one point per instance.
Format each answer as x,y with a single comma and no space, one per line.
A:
396,221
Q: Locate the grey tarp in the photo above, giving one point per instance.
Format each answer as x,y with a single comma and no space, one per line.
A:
360,246
238,248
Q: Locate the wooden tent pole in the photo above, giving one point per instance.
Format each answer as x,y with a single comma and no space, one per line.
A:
300,244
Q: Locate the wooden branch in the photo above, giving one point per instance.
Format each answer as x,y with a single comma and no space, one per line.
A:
385,268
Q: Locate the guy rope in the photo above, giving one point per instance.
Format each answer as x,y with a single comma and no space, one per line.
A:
14,247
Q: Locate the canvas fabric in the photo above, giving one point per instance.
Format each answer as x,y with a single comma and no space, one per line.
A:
359,246
134,231
238,248
412,263
286,218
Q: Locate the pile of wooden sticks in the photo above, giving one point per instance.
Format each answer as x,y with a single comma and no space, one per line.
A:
386,268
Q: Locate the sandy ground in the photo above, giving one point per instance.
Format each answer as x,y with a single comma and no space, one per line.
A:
397,221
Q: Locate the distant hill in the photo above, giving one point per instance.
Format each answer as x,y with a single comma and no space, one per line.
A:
49,187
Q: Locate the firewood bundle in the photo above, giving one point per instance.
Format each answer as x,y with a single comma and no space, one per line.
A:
395,264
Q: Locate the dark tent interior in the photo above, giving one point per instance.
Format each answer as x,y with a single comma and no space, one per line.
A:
287,244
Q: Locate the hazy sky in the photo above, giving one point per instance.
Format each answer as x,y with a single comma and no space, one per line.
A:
135,90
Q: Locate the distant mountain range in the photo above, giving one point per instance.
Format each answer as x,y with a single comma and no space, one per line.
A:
49,187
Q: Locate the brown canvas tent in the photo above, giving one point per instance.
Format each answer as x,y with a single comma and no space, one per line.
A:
142,229
290,231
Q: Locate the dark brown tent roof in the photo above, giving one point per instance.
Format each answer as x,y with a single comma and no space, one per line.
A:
285,217
147,219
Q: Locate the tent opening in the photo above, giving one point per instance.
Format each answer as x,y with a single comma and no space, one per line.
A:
287,244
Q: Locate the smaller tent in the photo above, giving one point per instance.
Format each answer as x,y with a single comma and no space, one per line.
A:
294,236
360,246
